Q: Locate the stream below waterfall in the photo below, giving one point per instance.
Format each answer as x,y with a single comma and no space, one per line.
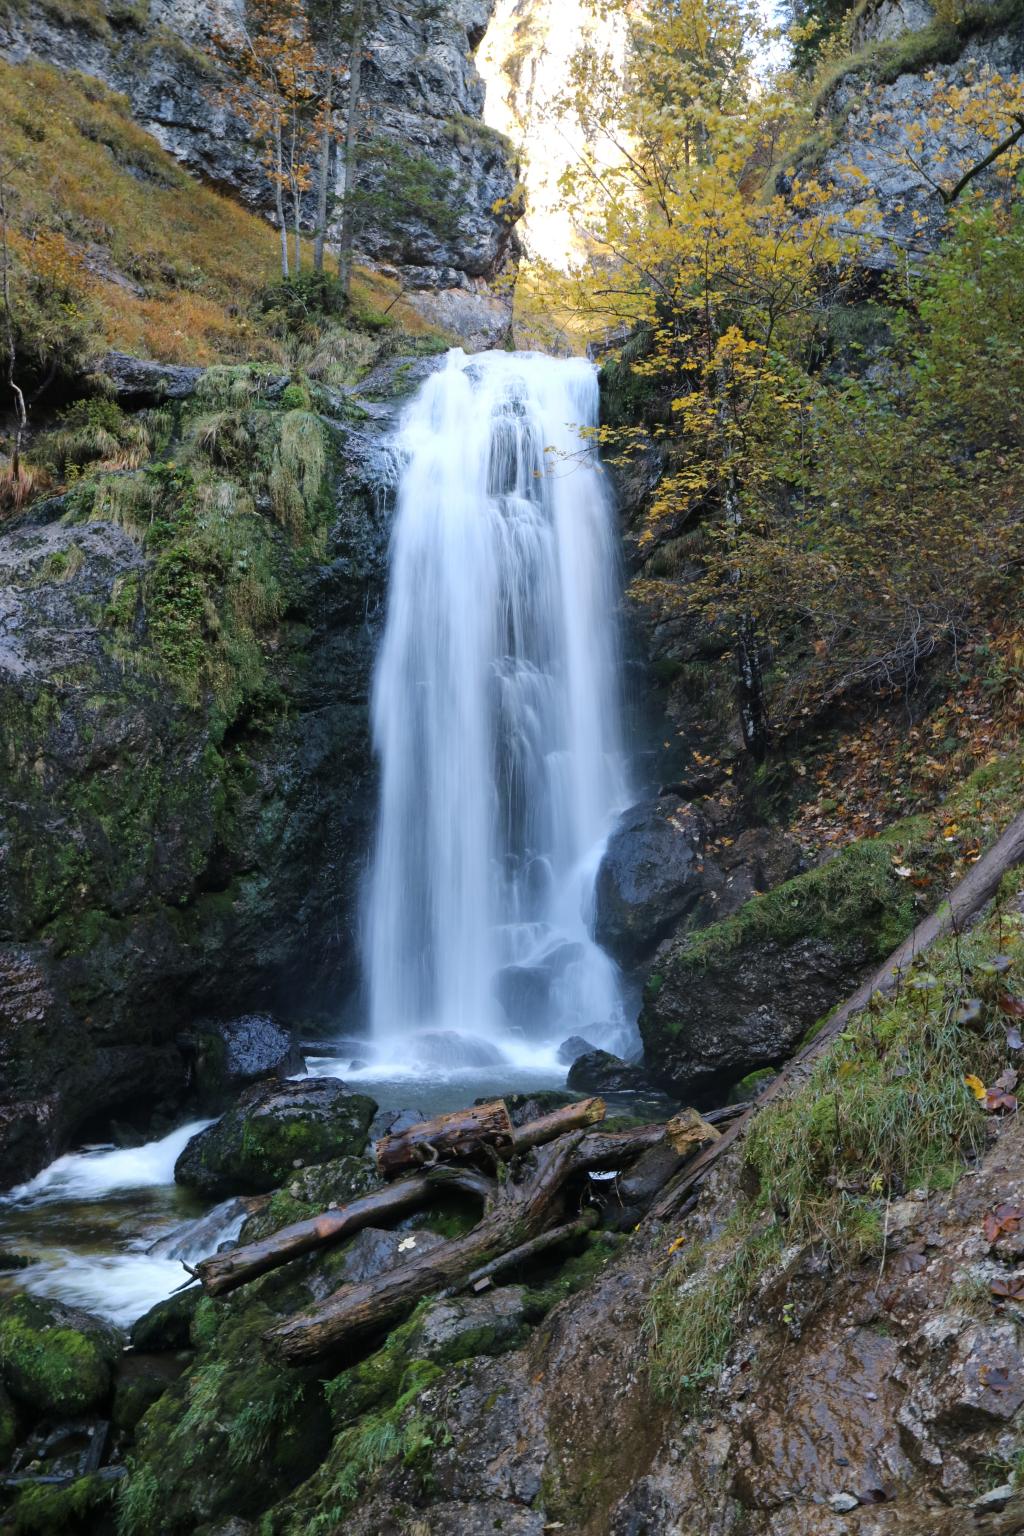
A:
497,720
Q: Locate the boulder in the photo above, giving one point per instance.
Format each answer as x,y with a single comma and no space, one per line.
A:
527,992
601,1072
135,381
229,1054
572,1049
652,874
167,1326
275,1129
705,1027
308,1192
57,1360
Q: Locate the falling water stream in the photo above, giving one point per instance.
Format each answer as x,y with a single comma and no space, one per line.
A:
497,721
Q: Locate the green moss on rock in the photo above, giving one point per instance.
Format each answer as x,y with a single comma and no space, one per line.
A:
54,1358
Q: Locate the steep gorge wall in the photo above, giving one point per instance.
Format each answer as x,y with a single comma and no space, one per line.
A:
421,93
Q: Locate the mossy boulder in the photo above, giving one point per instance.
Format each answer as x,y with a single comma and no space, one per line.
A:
56,1359
739,995
167,1326
273,1131
229,1436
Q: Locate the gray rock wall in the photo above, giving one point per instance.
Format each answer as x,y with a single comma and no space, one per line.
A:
421,92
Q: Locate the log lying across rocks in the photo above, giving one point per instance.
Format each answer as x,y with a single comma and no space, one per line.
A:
967,899
523,1207
543,1198
483,1129
225,1272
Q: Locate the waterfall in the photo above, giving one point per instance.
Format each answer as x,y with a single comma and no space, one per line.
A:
496,717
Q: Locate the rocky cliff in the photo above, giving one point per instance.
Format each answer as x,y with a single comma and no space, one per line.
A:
421,94
185,660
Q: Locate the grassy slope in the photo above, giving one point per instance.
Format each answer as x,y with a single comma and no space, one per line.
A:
154,263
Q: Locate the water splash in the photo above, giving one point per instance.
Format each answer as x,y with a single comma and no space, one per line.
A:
496,715
106,1229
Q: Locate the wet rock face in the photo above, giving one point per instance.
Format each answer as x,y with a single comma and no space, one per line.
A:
601,1072
651,875
230,1054
275,1130
705,1027
154,870
423,96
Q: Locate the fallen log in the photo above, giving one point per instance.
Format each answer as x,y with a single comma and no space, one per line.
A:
571,1117
481,1278
525,1204
626,1200
224,1272
459,1134
977,887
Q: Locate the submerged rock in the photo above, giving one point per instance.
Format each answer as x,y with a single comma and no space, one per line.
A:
652,874
572,1049
274,1130
55,1359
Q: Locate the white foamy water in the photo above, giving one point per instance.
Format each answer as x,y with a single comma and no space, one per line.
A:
496,716
107,1229
98,1171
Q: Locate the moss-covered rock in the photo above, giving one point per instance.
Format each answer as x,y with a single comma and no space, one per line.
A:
274,1130
83,1505
230,1436
56,1359
737,996
167,1325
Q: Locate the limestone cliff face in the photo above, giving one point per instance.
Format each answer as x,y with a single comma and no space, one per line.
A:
421,92
885,111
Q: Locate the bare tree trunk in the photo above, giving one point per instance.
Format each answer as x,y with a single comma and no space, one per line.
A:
351,154
974,890
326,145
20,413
282,222
225,1272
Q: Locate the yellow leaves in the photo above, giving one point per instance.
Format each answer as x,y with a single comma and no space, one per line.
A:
976,1086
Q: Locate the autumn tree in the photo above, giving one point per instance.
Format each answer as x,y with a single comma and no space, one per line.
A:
270,63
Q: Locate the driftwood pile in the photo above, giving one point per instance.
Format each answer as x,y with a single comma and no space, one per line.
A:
534,1190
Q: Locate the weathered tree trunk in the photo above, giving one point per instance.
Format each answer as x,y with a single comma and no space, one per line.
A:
323,176
225,1272
570,1117
521,1211
347,235
464,1133
282,222
461,1133
974,890
481,1278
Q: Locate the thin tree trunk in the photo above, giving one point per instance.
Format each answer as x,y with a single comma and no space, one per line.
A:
20,413
351,155
282,222
326,144
974,890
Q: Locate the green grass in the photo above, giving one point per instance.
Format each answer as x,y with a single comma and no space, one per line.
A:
885,1109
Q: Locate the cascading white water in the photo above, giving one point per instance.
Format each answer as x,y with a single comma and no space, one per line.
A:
496,716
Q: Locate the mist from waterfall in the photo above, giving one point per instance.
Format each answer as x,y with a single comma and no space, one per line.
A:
497,720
